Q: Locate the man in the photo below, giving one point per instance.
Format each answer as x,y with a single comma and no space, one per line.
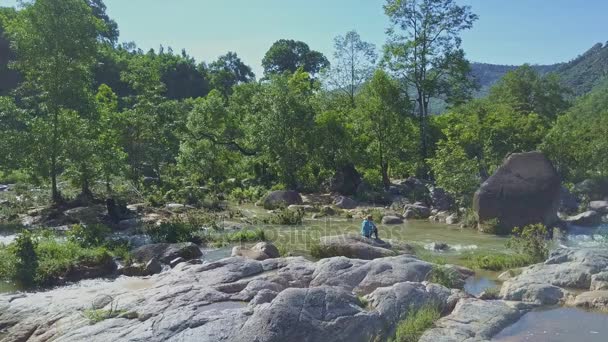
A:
368,228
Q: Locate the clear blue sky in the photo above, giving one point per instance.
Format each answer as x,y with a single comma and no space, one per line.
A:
508,31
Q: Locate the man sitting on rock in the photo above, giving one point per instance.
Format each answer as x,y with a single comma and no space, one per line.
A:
368,228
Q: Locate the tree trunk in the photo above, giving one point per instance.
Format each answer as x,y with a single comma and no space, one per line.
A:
56,196
386,181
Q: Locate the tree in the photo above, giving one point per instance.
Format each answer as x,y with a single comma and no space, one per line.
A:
290,55
354,63
55,43
282,127
227,71
110,32
381,117
527,91
424,50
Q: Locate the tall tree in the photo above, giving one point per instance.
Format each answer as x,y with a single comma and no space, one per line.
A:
424,50
354,63
227,71
56,44
109,33
290,55
381,117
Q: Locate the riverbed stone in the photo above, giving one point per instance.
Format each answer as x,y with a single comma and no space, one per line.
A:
354,246
391,220
589,218
281,199
344,202
599,206
165,252
417,211
260,251
524,190
474,320
596,300
599,281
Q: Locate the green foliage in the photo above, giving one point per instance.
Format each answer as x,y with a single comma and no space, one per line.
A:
416,323
363,302
25,258
531,241
247,195
496,261
287,55
577,142
445,276
287,217
90,236
173,232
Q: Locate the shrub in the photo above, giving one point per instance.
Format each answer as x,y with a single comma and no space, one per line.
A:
470,218
530,240
444,276
363,302
418,320
89,236
287,217
25,258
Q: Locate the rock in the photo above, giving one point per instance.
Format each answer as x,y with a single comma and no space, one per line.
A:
593,189
153,266
474,320
354,246
547,283
568,203
177,207
133,270
165,252
281,199
524,190
452,219
261,251
345,181
599,206
128,224
587,219
440,246
303,207
597,300
343,202
599,281
86,215
327,210
441,200
416,211
176,262
389,220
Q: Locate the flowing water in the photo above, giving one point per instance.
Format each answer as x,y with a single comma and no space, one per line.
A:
557,325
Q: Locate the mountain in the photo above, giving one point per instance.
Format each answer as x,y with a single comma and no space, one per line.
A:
581,75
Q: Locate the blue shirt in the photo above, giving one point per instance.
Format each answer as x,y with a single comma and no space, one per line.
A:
367,228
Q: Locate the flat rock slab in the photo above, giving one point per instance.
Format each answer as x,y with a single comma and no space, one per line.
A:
355,246
475,320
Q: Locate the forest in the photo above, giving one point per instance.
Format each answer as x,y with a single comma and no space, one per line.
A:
104,118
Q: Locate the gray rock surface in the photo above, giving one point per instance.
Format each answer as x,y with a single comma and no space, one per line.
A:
389,219
416,211
596,300
281,199
599,281
587,219
475,320
599,206
524,190
344,202
260,251
165,252
441,200
354,246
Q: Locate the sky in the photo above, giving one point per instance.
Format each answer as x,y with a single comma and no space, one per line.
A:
507,32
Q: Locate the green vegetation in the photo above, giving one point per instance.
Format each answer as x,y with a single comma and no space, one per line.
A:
286,217
531,241
40,259
496,261
445,276
416,323
363,302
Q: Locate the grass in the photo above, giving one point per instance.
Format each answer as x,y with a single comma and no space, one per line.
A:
363,302
444,276
416,323
496,261
55,259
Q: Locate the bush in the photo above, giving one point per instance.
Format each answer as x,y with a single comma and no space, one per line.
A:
497,261
286,217
25,258
444,276
89,236
416,323
531,241
247,195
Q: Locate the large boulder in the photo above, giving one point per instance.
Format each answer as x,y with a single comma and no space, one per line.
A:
390,220
166,252
568,202
343,202
416,211
345,181
281,199
261,251
354,246
524,190
86,215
